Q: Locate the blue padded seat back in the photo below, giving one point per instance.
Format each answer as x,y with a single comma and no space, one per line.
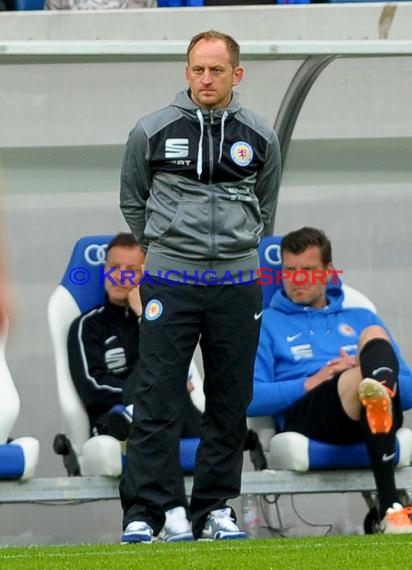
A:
188,449
83,277
29,4
329,456
187,454
12,461
178,3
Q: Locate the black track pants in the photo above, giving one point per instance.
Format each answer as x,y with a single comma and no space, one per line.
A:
226,319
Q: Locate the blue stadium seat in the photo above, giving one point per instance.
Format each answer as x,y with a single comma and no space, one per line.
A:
18,457
29,4
293,2
179,3
290,450
358,1
82,288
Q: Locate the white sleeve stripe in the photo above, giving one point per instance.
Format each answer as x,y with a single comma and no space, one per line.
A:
83,355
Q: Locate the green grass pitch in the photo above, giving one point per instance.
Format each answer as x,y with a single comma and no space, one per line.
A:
340,553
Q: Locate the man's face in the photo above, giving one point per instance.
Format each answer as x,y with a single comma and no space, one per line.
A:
210,74
128,264
306,287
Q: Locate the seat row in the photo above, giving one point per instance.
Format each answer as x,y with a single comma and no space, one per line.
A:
82,288
26,5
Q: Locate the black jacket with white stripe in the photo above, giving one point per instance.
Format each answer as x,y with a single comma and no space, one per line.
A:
103,347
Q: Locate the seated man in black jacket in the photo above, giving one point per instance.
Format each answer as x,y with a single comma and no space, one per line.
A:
103,343
103,346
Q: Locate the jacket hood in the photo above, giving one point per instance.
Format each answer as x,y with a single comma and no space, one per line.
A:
282,303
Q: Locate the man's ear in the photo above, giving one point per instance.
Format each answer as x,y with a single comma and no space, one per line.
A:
238,74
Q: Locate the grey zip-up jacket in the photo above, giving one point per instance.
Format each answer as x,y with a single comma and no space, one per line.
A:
199,187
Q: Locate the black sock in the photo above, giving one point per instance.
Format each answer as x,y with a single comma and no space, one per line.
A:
379,361
381,450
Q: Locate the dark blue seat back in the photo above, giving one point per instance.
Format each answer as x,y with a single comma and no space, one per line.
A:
29,4
84,275
12,461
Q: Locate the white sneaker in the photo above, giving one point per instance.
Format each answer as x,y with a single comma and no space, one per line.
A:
176,528
220,525
397,520
137,531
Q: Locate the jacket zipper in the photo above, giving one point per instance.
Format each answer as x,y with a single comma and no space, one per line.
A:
213,197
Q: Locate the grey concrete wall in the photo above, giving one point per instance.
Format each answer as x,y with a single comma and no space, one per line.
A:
62,134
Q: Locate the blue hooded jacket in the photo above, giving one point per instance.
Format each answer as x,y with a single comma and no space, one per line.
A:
297,340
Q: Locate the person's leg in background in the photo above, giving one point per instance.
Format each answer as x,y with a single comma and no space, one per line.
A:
380,420
371,396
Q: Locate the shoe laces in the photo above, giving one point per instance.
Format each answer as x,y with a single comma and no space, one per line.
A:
137,525
224,519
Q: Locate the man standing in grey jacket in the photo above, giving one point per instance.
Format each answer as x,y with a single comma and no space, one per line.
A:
199,187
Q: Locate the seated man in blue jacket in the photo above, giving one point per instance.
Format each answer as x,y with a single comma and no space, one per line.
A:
333,374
